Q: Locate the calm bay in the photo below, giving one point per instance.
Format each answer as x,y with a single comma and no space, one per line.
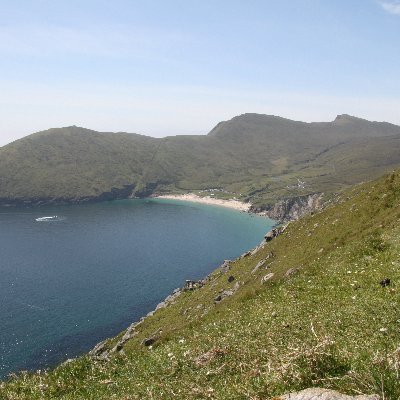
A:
69,283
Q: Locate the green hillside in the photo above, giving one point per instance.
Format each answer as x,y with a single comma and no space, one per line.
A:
254,157
312,307
71,163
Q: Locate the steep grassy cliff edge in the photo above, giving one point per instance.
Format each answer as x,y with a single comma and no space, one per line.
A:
318,305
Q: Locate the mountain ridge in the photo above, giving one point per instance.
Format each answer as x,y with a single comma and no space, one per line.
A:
338,118
250,153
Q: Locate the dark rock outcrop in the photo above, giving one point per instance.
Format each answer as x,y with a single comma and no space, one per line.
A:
269,236
272,234
227,293
193,285
149,341
99,350
385,282
245,254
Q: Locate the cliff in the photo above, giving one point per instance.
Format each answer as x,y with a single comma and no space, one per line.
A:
291,209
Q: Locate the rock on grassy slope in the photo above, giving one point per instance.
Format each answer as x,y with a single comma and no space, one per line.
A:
317,306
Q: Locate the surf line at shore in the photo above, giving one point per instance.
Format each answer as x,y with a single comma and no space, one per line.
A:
194,198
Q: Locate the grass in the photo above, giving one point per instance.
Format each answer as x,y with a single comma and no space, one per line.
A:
328,323
257,157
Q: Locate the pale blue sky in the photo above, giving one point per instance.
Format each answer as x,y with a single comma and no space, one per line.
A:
164,67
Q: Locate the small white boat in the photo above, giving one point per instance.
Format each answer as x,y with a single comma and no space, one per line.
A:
52,218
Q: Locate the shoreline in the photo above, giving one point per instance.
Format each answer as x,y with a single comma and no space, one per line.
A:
102,351
194,198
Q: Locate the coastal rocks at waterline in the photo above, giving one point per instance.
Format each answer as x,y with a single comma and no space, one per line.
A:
245,254
102,351
129,334
269,236
324,394
226,266
272,234
169,299
193,285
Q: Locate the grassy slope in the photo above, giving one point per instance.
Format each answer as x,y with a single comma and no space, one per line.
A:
72,162
256,155
329,325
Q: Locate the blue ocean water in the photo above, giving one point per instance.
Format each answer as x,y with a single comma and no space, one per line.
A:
67,284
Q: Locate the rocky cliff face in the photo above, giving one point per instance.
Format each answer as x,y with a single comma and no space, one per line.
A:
291,209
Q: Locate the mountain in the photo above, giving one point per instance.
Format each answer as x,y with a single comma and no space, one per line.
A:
253,157
315,305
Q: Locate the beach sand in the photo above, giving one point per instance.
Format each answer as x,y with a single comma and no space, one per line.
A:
235,204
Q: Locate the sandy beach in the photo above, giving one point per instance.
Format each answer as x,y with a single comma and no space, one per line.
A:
235,204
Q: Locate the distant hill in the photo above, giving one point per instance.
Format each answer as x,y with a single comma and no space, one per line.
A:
254,157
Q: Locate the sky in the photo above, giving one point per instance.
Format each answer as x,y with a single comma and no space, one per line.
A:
171,67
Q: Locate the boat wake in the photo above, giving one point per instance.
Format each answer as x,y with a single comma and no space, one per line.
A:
49,219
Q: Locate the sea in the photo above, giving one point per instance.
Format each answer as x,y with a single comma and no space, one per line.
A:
71,281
